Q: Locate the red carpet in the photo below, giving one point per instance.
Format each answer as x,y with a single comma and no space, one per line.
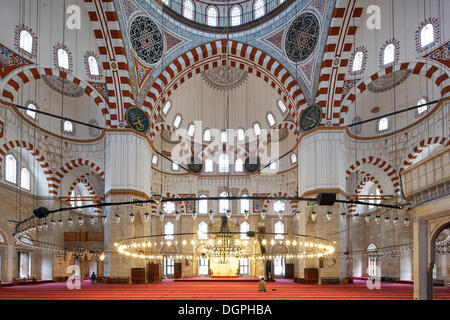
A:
202,290
219,279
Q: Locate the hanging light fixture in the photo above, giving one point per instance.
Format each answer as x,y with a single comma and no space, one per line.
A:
80,221
313,215
161,215
386,219
147,216
194,215
131,217
377,218
117,218
228,213
263,213
104,219
246,214
406,220
52,223
70,222
177,215
395,220
367,218
297,214
355,217
329,213
45,226
92,220
343,214
211,214
157,197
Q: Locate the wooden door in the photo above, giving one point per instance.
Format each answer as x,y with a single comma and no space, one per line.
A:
289,271
177,271
269,270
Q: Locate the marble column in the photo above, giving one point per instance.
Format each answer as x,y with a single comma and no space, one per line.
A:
420,267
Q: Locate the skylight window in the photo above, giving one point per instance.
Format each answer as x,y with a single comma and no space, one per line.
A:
68,126
282,106
270,119
177,121
357,61
191,129
155,159
422,109
26,41
207,135
259,8
241,134
257,129
383,124
30,113
389,54
166,107
93,66
188,9
63,59
211,14
236,16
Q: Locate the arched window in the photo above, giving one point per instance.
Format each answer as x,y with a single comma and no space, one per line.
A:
63,59
257,128
422,109
293,158
188,9
207,135
175,166
427,35
93,66
278,266
279,230
26,41
166,2
223,137
208,165
282,106
224,203
389,54
25,179
177,121
155,159
236,16
241,134
169,207
68,126
383,124
75,200
245,227
168,231
30,113
357,61
238,165
11,169
372,260
273,165
166,107
270,119
259,8
203,266
202,230
212,16
169,266
203,205
279,206
191,129
224,163
245,203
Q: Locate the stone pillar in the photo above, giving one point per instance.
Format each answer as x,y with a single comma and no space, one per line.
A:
127,177
420,267
11,258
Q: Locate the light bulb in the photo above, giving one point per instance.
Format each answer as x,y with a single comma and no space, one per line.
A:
313,216
263,214
211,214
146,216
161,216
117,218
92,220
386,219
329,215
45,226
131,217
52,223
406,222
246,213
367,218
104,219
70,222
194,215
395,221
228,214
377,219
80,221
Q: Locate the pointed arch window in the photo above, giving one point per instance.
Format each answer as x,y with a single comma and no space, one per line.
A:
31,113
357,61
224,204
279,230
202,230
293,158
167,106
427,35
271,119
155,159
11,169
239,165
273,165
168,231
236,13
212,16
25,179
383,124
241,134
208,165
244,228
175,166
203,205
188,9
191,129
26,41
389,54
257,129
63,59
177,121
281,106
207,135
68,126
93,66
259,8
245,203
223,137
224,163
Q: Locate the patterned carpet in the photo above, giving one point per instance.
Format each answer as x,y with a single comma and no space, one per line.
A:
201,290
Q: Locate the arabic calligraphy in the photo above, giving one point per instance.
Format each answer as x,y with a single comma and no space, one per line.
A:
311,117
137,120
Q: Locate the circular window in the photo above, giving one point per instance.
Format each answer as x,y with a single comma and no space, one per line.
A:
279,206
302,37
169,207
146,39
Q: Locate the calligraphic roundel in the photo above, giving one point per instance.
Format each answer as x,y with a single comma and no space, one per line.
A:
137,120
311,117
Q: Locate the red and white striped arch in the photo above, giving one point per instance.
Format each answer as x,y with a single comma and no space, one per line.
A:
82,179
72,165
382,164
105,23
366,178
418,149
29,73
213,54
292,203
337,52
428,69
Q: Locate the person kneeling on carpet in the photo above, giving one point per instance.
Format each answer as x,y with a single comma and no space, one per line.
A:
262,285
93,278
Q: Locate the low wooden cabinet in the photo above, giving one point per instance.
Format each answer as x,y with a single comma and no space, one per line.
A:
137,275
153,274
311,275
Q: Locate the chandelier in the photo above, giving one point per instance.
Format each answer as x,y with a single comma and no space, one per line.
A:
223,246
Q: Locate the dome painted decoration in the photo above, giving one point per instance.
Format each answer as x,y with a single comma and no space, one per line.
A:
251,166
224,77
195,165
311,117
146,40
388,81
137,120
302,37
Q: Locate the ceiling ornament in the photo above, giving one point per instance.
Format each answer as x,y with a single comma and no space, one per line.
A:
302,37
146,40
388,81
63,86
224,77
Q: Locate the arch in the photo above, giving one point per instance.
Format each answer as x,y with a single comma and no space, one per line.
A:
444,225
181,204
418,149
384,165
29,73
4,238
82,179
367,177
428,69
292,203
241,55
71,165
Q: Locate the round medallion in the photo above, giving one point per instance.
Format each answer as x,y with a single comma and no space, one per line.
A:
137,120
311,117
302,37
146,39
252,165
195,165
169,207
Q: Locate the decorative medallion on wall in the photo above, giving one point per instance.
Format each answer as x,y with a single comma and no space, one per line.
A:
311,117
388,81
137,120
195,165
436,35
302,37
17,31
441,54
252,165
224,77
63,86
146,40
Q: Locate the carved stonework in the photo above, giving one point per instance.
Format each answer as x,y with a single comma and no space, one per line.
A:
388,81
63,86
224,77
